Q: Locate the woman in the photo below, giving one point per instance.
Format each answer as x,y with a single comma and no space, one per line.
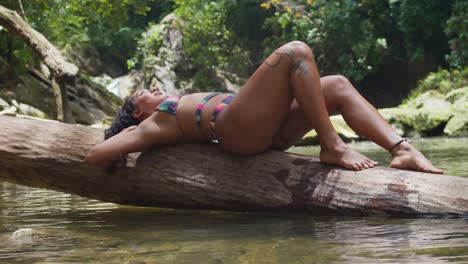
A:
284,99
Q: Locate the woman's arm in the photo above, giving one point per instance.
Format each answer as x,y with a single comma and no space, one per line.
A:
134,139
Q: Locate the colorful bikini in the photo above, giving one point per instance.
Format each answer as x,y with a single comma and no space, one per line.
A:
226,101
169,106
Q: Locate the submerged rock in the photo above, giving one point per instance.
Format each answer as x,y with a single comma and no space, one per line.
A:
23,236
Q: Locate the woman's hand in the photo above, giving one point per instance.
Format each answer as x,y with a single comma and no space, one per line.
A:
91,157
132,139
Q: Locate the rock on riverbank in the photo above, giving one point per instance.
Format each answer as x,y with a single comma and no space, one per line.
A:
429,114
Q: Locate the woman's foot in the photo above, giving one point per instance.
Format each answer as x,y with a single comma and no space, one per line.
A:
406,157
344,156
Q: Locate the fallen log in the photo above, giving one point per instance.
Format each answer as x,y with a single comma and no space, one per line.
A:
200,176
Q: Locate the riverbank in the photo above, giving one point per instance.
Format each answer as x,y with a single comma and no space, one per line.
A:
427,115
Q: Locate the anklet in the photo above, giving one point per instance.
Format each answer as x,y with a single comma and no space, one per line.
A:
398,143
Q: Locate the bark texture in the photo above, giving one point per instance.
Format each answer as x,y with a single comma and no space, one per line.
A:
62,71
200,176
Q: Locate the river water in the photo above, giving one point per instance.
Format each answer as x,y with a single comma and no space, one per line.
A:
53,227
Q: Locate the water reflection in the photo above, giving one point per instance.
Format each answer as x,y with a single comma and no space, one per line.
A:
68,228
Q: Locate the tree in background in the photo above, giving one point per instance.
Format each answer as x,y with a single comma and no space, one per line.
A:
220,34
354,36
108,26
386,44
457,31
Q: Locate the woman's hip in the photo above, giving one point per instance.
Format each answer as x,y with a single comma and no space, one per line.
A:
234,137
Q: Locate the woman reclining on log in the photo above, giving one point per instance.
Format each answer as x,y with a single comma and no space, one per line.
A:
284,99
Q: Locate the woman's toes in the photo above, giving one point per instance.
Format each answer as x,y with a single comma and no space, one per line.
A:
365,165
372,163
435,170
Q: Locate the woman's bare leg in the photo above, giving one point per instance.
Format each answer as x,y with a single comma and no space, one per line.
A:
262,105
362,117
305,83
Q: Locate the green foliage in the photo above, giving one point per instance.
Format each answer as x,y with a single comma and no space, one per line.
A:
346,36
457,31
206,38
422,23
442,81
351,37
208,41
148,45
108,26
15,56
356,38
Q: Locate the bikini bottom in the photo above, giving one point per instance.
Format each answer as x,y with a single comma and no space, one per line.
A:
225,102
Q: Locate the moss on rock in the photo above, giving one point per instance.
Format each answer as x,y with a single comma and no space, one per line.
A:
458,125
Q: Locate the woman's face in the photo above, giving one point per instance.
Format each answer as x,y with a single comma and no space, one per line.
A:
146,102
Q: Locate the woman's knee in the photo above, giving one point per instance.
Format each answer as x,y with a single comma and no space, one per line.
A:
339,85
300,49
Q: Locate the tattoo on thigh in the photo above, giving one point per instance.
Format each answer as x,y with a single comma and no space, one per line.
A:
301,66
289,53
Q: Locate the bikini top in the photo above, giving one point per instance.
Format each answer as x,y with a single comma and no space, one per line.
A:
169,105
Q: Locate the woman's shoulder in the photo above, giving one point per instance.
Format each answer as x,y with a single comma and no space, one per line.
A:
163,124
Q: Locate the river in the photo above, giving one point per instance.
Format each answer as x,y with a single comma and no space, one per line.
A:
54,227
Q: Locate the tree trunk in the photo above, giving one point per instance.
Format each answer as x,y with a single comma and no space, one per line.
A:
61,70
58,100
201,176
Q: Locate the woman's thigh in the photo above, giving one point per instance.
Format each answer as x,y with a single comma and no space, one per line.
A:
252,119
295,126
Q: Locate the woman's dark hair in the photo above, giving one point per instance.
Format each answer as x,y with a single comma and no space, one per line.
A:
123,119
